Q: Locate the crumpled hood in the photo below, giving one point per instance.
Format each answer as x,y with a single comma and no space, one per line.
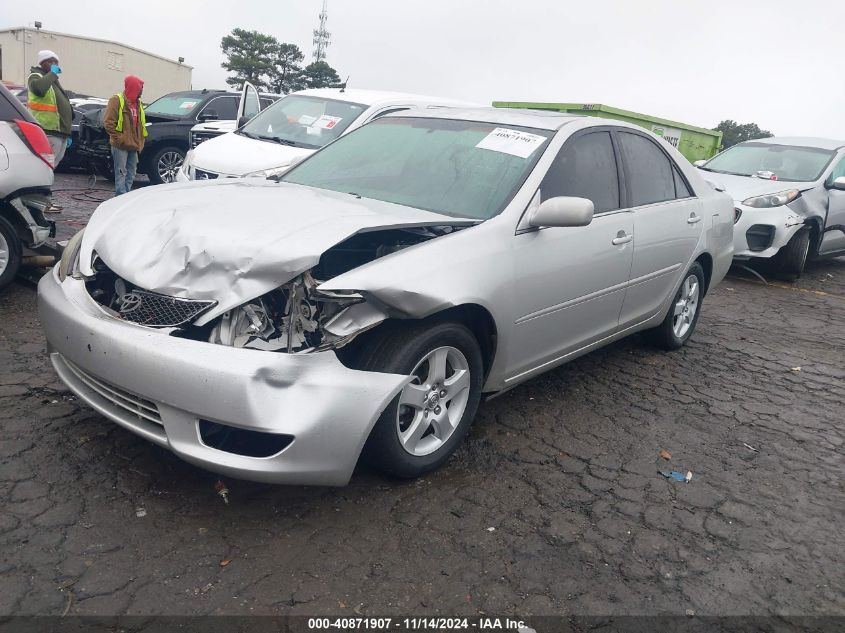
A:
230,241
743,187
238,155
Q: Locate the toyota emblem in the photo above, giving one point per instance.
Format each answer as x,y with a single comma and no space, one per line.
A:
129,302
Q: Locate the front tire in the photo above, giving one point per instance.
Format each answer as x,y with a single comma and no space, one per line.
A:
792,258
165,164
423,425
680,322
10,253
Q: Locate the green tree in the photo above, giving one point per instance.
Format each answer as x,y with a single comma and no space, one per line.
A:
733,132
320,75
286,72
249,57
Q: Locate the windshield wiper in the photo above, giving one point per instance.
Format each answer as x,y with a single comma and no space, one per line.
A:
276,139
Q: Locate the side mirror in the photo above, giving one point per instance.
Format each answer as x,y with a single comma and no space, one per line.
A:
563,211
838,183
208,115
699,163
243,121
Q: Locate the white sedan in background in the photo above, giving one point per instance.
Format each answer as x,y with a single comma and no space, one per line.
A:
293,128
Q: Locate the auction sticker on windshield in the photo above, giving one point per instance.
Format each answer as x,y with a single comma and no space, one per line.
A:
326,122
511,142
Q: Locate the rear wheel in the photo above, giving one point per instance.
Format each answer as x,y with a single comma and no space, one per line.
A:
165,164
10,253
423,425
680,322
792,257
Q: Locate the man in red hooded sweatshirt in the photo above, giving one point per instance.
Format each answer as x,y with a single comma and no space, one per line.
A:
127,127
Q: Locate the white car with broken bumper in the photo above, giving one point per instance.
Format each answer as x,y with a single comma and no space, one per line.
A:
789,198
277,331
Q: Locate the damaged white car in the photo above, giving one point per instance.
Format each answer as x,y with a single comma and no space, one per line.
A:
789,199
364,302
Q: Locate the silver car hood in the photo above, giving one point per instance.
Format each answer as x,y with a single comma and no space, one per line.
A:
230,241
743,187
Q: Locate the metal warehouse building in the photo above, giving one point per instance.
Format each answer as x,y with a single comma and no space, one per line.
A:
90,66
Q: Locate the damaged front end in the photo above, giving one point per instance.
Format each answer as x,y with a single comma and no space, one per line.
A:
296,317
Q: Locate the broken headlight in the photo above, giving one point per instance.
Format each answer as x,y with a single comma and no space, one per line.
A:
772,199
289,319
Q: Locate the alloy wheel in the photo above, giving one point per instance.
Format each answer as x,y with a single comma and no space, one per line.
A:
686,306
5,254
168,166
431,407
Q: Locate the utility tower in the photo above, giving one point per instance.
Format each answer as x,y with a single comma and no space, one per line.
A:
322,38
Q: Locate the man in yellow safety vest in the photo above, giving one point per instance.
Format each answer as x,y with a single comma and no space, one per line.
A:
49,103
126,124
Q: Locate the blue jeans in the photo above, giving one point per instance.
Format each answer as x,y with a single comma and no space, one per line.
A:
125,166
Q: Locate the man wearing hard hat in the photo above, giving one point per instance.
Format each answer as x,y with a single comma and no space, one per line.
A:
49,103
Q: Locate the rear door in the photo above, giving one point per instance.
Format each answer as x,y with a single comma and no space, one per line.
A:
570,282
250,104
668,223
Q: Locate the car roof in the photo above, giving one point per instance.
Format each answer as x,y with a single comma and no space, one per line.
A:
539,119
801,141
199,93
378,97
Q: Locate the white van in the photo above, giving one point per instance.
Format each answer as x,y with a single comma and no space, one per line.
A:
294,127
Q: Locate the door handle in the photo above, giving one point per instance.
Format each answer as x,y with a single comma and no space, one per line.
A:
693,219
621,238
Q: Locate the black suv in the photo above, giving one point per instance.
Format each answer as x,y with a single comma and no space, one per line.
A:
169,121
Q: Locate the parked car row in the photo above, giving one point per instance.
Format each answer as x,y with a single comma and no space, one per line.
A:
169,122
346,273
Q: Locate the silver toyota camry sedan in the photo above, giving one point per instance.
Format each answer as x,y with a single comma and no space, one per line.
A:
362,303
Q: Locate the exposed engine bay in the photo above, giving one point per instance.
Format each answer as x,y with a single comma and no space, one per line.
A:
293,318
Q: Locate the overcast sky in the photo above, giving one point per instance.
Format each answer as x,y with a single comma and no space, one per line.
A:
778,63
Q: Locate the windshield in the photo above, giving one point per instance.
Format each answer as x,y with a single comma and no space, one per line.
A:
301,121
787,162
173,105
458,168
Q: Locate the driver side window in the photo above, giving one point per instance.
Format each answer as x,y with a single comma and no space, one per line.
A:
585,168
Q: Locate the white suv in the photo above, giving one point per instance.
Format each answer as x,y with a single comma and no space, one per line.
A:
295,127
26,175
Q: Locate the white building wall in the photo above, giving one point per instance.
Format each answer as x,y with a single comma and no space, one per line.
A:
91,66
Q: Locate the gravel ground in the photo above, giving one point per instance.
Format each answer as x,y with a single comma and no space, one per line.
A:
554,505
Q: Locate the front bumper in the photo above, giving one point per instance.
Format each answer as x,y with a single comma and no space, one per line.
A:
763,232
160,387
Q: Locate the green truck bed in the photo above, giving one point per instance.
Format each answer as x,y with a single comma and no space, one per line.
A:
695,143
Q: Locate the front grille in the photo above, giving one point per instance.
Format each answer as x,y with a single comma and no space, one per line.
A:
138,407
201,137
200,174
759,237
155,310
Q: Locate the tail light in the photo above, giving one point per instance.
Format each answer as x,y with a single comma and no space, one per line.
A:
35,139
737,214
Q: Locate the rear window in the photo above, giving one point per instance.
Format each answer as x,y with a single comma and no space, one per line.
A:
11,108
